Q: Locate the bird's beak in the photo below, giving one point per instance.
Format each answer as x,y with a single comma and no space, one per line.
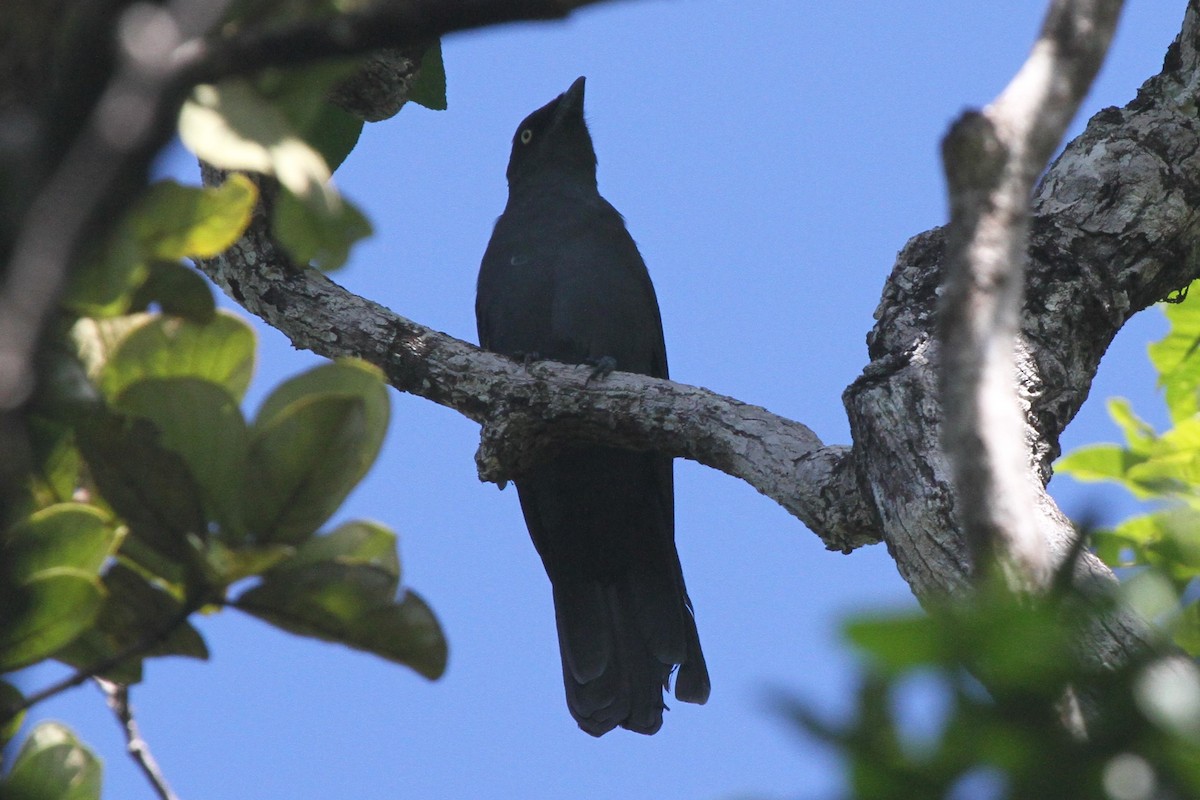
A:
571,101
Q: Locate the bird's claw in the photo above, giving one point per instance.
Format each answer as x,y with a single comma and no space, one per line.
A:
601,368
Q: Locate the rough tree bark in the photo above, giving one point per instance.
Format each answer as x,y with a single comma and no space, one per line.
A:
1115,228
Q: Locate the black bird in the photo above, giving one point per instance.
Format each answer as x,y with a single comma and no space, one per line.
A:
562,279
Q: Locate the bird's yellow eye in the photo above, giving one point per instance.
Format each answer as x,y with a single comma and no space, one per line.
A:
526,135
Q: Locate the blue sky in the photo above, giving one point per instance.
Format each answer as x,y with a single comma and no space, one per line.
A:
770,159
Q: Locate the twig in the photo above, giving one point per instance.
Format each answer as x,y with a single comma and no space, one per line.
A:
77,678
117,697
992,159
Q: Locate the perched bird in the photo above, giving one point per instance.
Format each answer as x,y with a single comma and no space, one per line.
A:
562,279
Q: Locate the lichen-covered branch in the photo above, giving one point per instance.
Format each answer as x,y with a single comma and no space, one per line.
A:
1115,228
526,409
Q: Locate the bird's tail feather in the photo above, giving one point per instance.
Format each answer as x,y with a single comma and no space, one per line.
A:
619,643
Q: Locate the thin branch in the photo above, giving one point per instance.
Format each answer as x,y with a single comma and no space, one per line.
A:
526,410
992,159
117,697
77,678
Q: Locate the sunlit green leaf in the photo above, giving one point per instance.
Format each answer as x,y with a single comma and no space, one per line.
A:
221,351
64,535
53,764
1098,462
897,642
234,126
1139,434
44,613
174,221
1177,360
1116,549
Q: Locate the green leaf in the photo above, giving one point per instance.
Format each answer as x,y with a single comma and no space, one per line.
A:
49,587
10,698
1115,549
305,462
53,764
334,133
314,438
146,484
170,222
232,564
429,89
174,221
233,126
351,604
1177,361
317,232
1098,462
346,376
221,351
897,643
95,340
201,422
107,275
299,92
357,542
54,473
1139,434
43,613
135,614
64,535
1186,629
179,291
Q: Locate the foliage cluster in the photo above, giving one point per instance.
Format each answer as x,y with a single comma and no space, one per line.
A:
1007,741
147,495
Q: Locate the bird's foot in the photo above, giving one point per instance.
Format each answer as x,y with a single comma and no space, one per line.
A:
601,368
527,358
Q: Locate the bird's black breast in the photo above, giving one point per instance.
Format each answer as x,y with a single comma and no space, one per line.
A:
563,279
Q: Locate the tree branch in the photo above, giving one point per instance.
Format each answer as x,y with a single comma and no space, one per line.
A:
991,160
77,678
525,411
117,697
387,23
894,481
1091,266
162,53
1115,228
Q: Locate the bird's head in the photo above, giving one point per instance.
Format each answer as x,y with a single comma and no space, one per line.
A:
554,141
